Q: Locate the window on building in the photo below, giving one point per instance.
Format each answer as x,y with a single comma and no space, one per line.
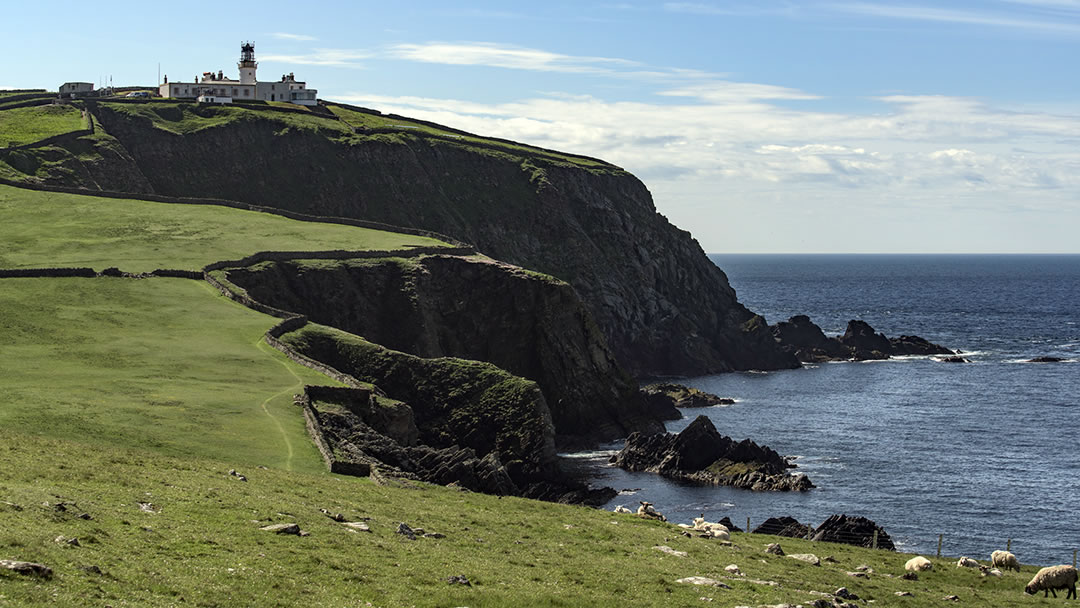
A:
176,90
234,93
247,92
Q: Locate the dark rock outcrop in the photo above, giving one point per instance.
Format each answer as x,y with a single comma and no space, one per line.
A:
666,396
858,531
726,522
1045,359
783,526
664,307
700,454
860,342
531,325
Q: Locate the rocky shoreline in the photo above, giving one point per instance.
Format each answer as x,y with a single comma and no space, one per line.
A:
700,454
860,342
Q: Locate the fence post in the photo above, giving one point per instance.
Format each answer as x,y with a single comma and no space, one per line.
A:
940,538
874,545
1008,545
1074,558
748,524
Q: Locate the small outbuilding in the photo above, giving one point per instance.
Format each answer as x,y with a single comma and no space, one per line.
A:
76,89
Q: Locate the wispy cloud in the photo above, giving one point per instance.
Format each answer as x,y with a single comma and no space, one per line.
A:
296,37
504,56
744,10
940,15
351,58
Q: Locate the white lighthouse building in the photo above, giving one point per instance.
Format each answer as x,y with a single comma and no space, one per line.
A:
217,88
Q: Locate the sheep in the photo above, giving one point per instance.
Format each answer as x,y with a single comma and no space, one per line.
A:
1004,560
622,509
918,563
967,562
1054,577
715,530
647,511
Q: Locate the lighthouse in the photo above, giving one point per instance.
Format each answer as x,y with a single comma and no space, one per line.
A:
247,63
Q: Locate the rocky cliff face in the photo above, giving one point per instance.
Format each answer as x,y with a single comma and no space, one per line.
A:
434,306
663,306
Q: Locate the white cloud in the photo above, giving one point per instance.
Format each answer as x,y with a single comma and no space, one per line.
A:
336,57
296,37
940,15
504,56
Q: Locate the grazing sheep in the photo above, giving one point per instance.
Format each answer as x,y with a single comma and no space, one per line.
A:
1054,577
967,562
918,563
622,509
1004,560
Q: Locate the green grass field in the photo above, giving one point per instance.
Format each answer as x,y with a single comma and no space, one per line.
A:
164,365
42,229
201,545
27,125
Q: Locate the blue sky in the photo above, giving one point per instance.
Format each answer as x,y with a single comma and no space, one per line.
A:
833,126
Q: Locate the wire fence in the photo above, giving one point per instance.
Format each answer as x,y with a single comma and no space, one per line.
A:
881,540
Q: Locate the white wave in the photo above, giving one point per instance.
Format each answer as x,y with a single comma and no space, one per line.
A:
589,455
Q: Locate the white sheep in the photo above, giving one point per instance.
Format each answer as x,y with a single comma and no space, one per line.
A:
1004,560
967,562
1054,577
918,564
647,511
716,530
622,509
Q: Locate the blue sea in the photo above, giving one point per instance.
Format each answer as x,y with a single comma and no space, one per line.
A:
978,453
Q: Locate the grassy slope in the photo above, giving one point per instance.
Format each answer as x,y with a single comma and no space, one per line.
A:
41,229
166,365
27,125
203,544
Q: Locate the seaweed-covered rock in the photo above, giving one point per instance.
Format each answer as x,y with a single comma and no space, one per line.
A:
700,454
783,526
668,395
858,531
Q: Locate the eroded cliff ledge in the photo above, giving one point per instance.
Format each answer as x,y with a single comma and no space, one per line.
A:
529,324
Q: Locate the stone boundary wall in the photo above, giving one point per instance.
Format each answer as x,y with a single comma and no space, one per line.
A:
50,140
314,428
336,254
15,273
28,103
295,215
336,393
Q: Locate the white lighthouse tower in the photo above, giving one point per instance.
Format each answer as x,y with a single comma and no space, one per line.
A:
247,63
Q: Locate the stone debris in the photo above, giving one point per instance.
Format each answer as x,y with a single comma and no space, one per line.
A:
828,559
237,475
11,505
951,598
774,549
433,535
910,576
92,570
338,517
404,530
733,569
809,558
858,574
28,568
62,540
670,551
701,580
459,580
844,594
282,528
864,568
359,526
903,594
148,507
